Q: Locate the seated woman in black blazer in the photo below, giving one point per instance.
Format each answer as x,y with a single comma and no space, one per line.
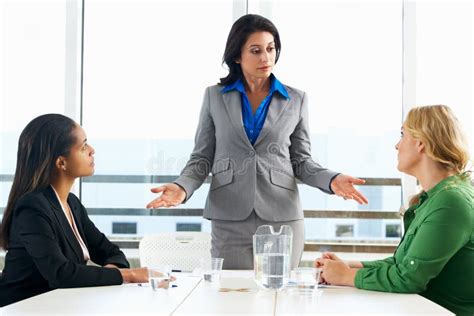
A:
45,229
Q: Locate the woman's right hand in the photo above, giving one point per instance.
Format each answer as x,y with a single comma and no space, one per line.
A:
171,195
140,275
137,275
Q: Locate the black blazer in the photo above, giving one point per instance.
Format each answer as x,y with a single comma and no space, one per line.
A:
44,254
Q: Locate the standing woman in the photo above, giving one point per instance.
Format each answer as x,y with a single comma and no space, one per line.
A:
435,257
253,136
45,229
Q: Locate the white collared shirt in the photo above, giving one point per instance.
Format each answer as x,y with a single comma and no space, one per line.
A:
74,228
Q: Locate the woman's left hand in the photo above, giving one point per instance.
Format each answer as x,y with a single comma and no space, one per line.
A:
343,185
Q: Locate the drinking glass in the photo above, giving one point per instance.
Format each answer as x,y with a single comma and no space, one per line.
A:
159,277
211,269
307,279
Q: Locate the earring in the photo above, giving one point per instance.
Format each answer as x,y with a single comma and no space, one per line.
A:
64,168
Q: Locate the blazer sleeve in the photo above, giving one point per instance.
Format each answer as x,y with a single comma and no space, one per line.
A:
40,241
304,167
101,250
200,163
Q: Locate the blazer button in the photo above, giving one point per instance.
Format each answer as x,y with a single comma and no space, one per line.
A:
251,153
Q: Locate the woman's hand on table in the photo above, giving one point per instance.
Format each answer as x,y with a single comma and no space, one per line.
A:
138,275
333,256
335,272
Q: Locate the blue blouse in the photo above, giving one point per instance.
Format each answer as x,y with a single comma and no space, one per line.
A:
253,123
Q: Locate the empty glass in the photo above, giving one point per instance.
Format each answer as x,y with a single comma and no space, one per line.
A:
211,269
307,279
159,277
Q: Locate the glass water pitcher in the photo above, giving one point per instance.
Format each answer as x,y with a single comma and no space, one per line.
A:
272,256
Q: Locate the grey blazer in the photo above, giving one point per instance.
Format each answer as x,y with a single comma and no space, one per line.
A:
261,177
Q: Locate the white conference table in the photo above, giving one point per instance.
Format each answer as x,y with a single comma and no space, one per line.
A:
193,296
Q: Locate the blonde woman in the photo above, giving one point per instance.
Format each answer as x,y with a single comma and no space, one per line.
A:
435,257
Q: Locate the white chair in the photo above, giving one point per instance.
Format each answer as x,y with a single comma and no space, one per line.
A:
181,250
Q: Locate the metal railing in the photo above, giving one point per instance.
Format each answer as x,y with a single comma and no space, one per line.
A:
171,178
382,246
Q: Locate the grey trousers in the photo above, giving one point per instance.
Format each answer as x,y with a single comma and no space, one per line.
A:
233,241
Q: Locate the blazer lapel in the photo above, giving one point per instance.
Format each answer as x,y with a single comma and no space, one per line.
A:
233,106
275,109
64,223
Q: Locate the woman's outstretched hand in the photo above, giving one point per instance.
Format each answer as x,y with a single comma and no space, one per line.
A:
171,195
343,186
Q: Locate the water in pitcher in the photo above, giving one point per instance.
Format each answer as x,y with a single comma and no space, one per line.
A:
272,270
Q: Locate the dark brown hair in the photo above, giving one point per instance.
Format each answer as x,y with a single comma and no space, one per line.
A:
42,141
238,35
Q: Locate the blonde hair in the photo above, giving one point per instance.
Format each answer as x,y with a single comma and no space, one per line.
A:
440,131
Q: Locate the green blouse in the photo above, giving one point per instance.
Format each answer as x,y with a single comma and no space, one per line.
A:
435,257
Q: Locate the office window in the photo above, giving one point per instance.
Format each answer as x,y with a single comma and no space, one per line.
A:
348,57
33,53
445,58
144,80
146,65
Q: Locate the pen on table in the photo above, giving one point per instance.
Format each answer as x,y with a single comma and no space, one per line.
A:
141,284
175,270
